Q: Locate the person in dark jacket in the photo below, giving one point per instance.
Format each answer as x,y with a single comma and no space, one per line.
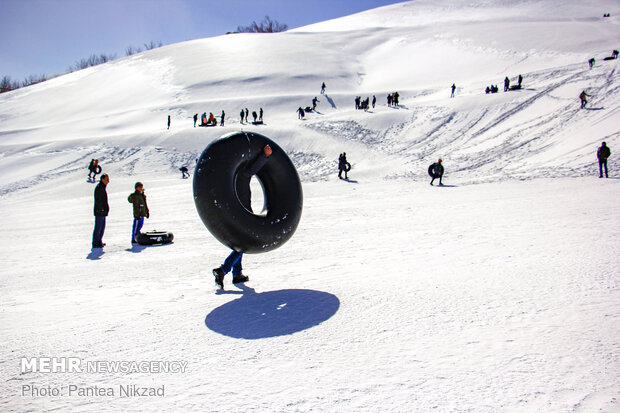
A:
242,186
222,117
436,171
453,89
602,154
242,115
300,113
260,114
583,97
195,119
168,121
506,84
343,166
101,210
184,172
140,210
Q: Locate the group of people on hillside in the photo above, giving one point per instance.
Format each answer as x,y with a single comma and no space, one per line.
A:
209,120
102,208
366,103
392,99
244,114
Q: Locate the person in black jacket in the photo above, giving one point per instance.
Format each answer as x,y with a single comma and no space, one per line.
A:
602,154
242,187
101,210
436,171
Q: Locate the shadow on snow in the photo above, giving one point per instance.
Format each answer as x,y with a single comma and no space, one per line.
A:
272,313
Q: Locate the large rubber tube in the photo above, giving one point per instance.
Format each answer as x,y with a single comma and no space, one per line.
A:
219,207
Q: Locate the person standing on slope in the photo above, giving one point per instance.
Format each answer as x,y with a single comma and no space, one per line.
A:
436,171
260,114
140,210
242,114
506,84
602,154
222,116
453,89
101,210
323,88
195,119
300,113
233,261
168,121
583,96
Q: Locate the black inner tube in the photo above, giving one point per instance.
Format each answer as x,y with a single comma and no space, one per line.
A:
222,198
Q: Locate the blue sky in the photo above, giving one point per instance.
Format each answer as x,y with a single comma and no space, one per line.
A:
47,36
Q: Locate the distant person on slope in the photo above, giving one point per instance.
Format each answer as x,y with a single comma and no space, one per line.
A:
506,84
242,114
101,210
323,88
254,115
602,154
300,113
343,165
314,102
436,171
583,96
222,116
140,210
195,119
374,100
94,169
233,261
453,89
168,121
184,172
260,114
591,62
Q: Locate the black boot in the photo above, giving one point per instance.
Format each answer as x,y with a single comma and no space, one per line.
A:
219,276
240,279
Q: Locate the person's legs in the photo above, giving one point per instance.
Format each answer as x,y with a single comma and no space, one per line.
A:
605,165
137,226
98,232
231,261
600,168
237,269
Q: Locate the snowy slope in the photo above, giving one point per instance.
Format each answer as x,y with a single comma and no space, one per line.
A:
497,292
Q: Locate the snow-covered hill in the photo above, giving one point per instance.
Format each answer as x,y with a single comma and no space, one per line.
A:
489,294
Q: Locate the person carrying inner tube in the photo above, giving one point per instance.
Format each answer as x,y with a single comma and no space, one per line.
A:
343,165
242,186
140,210
436,171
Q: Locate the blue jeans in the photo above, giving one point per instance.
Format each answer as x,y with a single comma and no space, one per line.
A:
137,226
233,261
98,232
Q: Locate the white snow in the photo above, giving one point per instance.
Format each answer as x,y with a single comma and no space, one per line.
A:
496,292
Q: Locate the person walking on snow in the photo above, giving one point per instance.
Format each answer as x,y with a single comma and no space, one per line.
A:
300,113
140,210
101,210
168,121
195,119
506,84
583,97
242,114
453,89
591,62
323,88
222,116
602,154
260,114
314,102
233,261
342,165
247,115
374,100
436,171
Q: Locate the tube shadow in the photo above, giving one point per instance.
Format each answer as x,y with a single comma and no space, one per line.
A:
270,314
601,108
